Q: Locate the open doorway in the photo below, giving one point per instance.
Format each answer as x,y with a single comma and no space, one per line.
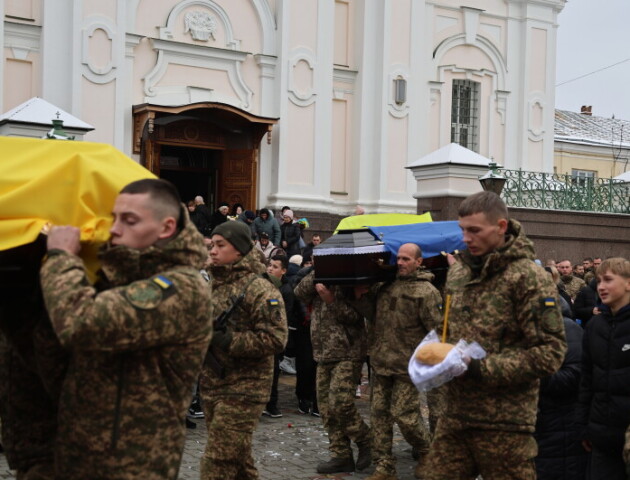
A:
194,171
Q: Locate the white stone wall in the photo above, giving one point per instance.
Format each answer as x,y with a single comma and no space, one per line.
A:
326,68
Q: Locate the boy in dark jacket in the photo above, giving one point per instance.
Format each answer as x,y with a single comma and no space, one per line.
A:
605,387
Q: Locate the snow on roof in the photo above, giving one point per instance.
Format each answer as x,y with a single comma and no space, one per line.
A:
576,127
451,153
39,111
624,177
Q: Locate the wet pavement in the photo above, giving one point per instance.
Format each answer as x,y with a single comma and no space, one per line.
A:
286,448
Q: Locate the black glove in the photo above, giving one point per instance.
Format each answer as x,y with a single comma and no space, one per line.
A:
221,339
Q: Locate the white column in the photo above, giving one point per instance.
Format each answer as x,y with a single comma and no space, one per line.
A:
323,104
369,103
61,53
269,107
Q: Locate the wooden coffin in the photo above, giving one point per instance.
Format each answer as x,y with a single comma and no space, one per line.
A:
352,257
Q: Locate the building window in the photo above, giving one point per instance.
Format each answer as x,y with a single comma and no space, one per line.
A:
583,177
465,114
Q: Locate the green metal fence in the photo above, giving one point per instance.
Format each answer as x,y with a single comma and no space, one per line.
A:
565,192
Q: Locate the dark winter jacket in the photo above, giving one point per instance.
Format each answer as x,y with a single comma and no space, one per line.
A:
269,226
203,219
217,219
586,300
605,387
290,233
560,453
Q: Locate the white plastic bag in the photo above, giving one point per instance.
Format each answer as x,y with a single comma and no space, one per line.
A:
425,377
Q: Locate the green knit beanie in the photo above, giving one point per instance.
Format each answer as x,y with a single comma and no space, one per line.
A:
237,233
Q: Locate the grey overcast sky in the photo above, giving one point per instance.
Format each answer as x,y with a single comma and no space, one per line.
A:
593,35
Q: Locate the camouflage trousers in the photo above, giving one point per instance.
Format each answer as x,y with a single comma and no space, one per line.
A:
394,400
463,454
336,385
436,403
231,423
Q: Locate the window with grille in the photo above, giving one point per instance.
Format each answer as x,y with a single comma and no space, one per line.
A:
465,114
583,177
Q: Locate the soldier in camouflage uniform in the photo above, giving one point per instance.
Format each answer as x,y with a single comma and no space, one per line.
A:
406,310
137,338
237,375
572,284
338,338
505,302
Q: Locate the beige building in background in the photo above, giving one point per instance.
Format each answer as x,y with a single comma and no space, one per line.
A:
317,104
589,146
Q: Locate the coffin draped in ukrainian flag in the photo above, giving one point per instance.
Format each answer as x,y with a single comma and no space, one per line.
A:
366,255
57,182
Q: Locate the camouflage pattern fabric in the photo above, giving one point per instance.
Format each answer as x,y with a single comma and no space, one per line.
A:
233,404
138,339
231,423
406,310
509,305
337,330
258,327
466,453
588,276
437,405
336,385
394,400
400,314
572,285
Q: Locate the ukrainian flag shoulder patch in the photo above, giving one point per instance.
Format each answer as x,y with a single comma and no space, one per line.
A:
549,302
273,302
163,282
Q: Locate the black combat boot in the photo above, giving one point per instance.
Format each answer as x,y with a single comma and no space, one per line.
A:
364,458
336,465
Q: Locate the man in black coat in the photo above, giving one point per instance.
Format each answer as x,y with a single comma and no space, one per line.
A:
560,453
585,305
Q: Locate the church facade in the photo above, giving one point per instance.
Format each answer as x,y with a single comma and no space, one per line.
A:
317,104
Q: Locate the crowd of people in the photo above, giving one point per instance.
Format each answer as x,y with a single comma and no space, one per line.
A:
192,302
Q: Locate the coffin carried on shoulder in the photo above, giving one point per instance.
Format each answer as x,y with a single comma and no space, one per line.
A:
352,257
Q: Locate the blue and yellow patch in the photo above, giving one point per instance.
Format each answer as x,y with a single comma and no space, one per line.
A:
163,282
549,302
273,302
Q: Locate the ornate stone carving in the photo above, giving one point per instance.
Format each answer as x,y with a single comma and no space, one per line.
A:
201,25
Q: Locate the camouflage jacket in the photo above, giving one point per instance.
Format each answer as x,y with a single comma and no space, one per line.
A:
406,310
258,327
137,342
572,285
509,305
337,330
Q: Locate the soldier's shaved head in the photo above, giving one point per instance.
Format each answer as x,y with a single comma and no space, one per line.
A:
488,203
165,200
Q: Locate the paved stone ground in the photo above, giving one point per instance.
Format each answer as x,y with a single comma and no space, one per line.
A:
286,448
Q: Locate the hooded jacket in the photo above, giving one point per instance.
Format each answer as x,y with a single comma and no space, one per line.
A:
507,304
137,341
258,328
605,387
269,226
